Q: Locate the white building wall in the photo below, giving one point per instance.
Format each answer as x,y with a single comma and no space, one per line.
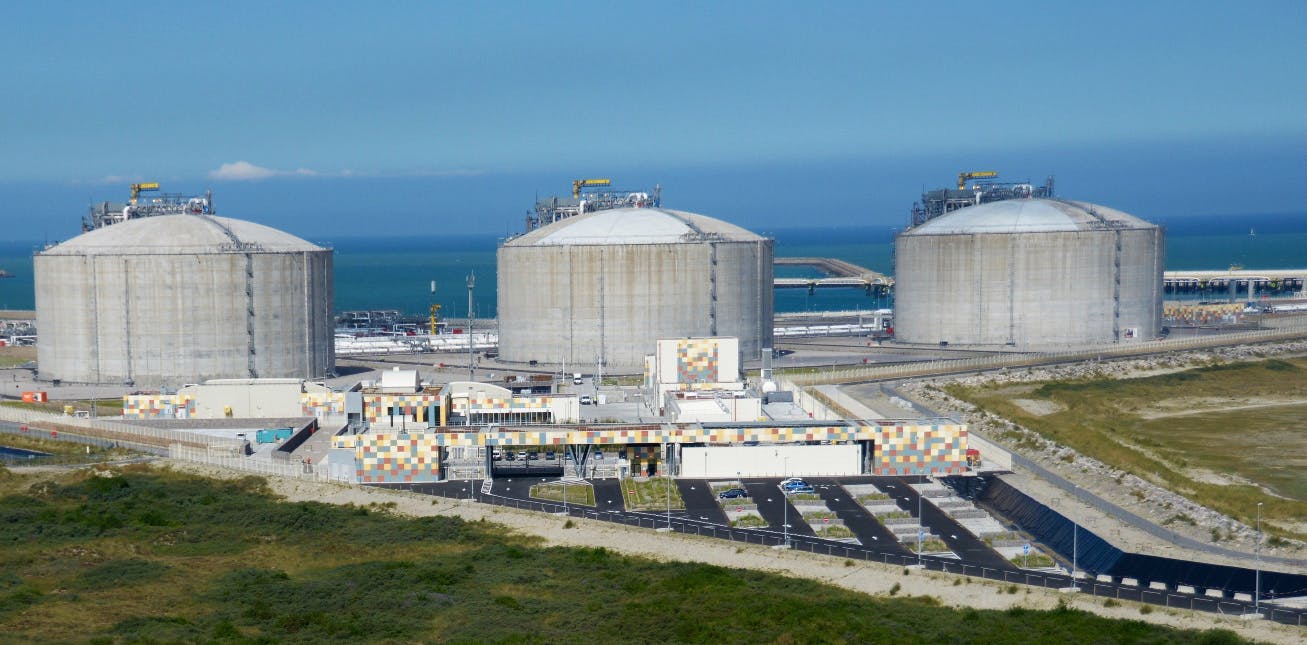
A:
770,461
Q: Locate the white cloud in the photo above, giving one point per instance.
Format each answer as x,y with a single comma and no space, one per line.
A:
245,171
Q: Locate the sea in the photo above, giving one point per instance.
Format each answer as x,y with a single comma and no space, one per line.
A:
397,273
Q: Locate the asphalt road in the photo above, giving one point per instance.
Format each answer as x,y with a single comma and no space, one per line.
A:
856,518
700,503
608,495
775,507
961,542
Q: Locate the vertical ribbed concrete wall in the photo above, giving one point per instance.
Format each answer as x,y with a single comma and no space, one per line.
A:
612,283
1029,273
177,299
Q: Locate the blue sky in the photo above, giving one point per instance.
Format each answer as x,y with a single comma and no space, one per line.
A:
335,119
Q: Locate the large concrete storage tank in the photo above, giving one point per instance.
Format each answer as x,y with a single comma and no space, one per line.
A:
181,298
1029,272
610,283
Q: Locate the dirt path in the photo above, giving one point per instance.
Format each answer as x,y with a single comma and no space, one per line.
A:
870,578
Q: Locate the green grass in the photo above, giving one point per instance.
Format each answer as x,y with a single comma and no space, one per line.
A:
892,515
873,497
804,497
834,531
1107,419
62,452
928,545
749,522
817,516
583,494
650,494
111,407
1032,561
158,556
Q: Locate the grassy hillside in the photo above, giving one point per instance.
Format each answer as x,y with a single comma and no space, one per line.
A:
1227,436
149,555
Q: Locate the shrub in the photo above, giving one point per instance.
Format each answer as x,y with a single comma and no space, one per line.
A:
895,589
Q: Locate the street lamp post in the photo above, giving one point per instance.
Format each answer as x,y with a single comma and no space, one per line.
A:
921,528
1075,543
565,493
1257,585
471,369
668,475
785,502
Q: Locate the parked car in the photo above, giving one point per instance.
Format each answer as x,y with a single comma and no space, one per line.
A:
586,399
800,489
791,484
790,480
733,493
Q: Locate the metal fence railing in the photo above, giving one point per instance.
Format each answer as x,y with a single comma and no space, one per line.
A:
1095,587
1112,510
223,459
113,431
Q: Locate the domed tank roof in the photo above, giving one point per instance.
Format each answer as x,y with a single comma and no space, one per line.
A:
634,226
174,234
1029,216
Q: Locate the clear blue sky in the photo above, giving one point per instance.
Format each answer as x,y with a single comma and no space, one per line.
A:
332,119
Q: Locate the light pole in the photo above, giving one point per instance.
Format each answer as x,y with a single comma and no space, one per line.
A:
1257,585
565,493
668,475
785,502
1075,542
921,529
471,282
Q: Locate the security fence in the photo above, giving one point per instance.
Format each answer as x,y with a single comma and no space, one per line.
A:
122,433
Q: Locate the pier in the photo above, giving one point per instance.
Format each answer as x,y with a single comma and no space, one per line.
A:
838,274
1230,282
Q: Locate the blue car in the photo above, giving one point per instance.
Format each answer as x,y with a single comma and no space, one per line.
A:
733,493
800,489
791,484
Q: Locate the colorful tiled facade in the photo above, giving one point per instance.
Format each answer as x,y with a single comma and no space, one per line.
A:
394,458
410,406
898,449
696,360
323,404
158,406
919,450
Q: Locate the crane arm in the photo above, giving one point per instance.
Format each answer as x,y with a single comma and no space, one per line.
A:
963,177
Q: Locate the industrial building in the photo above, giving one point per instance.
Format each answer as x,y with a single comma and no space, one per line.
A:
600,288
175,299
1029,273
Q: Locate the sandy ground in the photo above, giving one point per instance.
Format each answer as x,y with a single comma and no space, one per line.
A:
870,578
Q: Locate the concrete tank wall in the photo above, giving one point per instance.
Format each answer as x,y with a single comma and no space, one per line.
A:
573,303
1028,288
158,319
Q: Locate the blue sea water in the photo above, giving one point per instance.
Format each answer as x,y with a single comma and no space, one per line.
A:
396,273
